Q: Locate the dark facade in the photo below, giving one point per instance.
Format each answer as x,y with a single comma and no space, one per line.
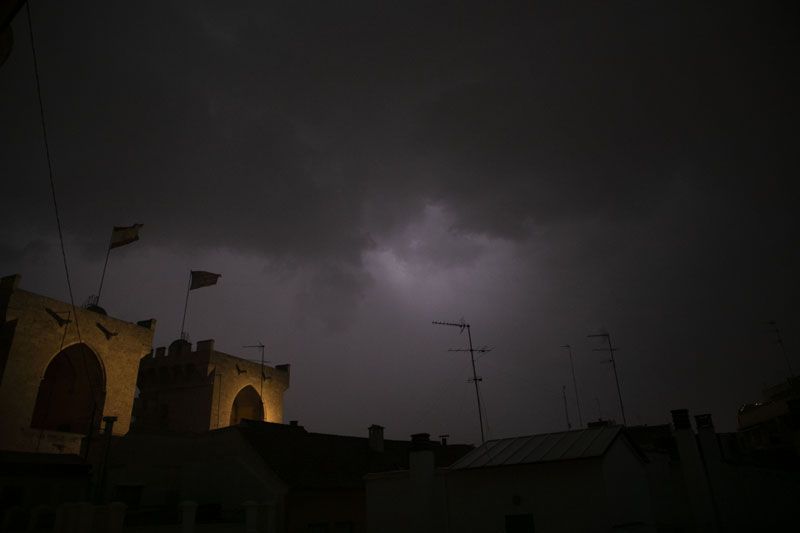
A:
310,480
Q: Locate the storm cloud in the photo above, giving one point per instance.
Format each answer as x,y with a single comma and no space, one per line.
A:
358,169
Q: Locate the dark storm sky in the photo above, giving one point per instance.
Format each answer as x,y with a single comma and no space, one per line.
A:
358,169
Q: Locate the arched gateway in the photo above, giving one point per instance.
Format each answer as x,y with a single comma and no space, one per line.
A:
72,392
247,405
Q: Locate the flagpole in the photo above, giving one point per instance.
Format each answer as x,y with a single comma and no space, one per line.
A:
186,304
105,265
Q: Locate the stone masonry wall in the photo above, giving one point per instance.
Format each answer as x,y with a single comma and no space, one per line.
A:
34,330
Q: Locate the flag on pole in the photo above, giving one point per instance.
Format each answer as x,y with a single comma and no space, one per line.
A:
122,235
201,278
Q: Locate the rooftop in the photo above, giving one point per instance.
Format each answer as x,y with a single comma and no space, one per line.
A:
317,460
562,446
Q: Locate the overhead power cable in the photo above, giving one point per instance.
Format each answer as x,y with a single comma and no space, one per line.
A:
59,225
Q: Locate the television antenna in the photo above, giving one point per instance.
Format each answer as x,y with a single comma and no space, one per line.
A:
566,409
462,325
779,342
574,383
260,346
613,362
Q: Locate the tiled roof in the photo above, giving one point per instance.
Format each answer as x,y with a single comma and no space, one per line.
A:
566,445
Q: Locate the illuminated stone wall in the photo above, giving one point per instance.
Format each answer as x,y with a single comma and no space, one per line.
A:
194,391
33,330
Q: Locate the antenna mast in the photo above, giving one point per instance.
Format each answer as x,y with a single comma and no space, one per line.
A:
613,362
260,346
566,410
475,379
779,342
574,383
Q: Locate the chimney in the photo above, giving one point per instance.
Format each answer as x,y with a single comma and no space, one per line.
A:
293,423
161,351
680,419
421,441
376,438
422,479
205,346
711,454
707,439
443,439
703,422
696,481
420,456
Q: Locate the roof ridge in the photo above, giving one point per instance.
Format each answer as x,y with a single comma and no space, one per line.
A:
547,433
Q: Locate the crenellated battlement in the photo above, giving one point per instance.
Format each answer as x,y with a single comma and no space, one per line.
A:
193,390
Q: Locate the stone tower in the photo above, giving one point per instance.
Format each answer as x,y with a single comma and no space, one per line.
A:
195,391
63,370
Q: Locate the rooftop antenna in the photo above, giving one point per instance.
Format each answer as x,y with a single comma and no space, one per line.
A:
574,383
613,362
779,342
260,346
475,379
566,410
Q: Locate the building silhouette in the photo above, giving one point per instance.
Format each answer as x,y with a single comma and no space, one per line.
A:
304,481
181,390
669,477
770,427
590,479
194,435
63,370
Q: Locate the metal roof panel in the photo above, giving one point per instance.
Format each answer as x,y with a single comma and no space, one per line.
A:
561,446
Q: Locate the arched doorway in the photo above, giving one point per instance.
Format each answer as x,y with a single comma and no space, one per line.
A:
72,392
247,405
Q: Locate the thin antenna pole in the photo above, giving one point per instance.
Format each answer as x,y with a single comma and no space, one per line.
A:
103,275
566,410
779,341
475,381
575,384
611,350
186,304
475,378
261,389
219,394
616,379
260,346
